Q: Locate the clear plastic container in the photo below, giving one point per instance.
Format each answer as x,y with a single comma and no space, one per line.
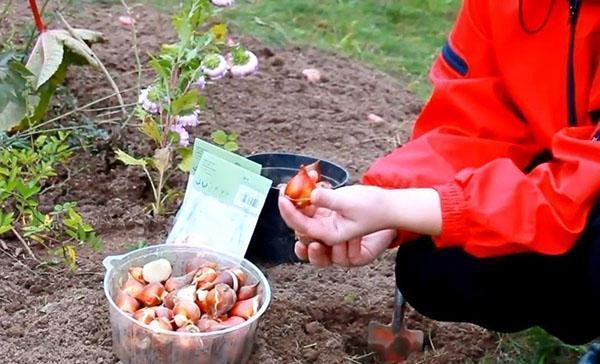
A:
135,343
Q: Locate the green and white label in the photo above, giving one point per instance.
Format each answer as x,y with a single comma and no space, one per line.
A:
222,203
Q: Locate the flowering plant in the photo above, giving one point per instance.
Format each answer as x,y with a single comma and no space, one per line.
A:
172,104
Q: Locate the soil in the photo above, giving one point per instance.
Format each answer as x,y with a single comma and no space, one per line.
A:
51,315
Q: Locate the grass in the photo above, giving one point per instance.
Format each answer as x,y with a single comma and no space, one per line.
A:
534,346
400,37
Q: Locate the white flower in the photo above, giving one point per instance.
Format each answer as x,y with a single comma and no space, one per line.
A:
240,70
149,106
219,71
222,2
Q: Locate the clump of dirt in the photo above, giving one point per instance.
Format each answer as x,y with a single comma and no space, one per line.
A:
49,315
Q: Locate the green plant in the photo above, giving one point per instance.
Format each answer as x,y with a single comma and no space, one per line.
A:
31,148
172,103
25,174
534,346
27,89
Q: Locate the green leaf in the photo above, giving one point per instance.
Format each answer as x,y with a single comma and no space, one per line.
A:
6,220
12,114
231,146
219,137
186,159
87,35
15,91
81,49
45,58
186,103
151,129
161,67
129,160
27,190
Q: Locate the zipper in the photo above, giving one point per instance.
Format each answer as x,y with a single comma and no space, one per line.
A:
574,6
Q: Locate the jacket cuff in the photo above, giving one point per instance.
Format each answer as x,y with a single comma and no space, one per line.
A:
455,229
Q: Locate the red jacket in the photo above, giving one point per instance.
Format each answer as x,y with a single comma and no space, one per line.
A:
516,81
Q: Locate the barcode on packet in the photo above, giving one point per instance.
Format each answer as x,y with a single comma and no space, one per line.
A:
248,198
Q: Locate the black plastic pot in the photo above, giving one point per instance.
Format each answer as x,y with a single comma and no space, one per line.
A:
273,242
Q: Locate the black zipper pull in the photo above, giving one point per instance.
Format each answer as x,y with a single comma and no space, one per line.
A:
573,10
574,6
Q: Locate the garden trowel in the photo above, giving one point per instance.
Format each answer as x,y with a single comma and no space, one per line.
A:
394,343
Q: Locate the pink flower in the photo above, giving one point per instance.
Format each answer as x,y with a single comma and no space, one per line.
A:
200,83
150,106
184,136
192,119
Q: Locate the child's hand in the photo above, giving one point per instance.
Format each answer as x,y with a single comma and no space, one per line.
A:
337,216
357,252
340,215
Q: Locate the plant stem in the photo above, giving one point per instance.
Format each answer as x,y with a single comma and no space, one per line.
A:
32,33
135,46
160,187
36,16
155,206
138,63
25,244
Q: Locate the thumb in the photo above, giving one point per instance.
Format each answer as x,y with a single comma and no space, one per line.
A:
328,198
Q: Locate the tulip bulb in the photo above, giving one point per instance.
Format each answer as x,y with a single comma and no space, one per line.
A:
241,276
299,188
193,329
204,278
137,274
145,315
163,312
161,324
220,300
187,293
169,301
127,303
132,287
152,294
233,321
157,271
247,292
198,262
174,283
186,313
246,308
228,278
201,300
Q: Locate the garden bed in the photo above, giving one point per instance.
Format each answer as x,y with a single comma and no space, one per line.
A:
55,316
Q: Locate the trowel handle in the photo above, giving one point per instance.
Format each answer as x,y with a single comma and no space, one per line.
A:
398,315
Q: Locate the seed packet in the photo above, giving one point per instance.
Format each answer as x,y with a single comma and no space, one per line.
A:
222,203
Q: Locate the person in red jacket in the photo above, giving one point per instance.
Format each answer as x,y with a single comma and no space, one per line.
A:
494,202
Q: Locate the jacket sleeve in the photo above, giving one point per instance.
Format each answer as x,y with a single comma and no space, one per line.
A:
472,146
